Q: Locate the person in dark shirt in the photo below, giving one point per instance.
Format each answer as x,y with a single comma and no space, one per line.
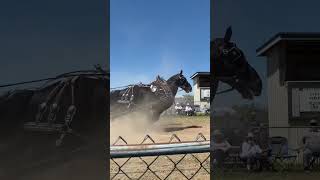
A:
220,148
311,144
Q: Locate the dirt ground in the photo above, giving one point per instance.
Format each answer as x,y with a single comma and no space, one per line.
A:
186,128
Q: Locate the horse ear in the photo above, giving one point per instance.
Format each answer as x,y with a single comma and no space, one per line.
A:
181,72
228,34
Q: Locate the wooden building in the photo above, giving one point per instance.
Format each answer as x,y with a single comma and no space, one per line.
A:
201,89
293,83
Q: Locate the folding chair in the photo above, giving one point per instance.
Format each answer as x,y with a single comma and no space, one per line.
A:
281,155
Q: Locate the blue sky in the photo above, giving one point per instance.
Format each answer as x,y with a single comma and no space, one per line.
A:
41,39
149,37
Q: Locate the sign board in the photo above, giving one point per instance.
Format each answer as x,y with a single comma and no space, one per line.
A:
310,100
204,93
303,100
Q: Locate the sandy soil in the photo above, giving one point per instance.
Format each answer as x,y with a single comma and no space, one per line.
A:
186,128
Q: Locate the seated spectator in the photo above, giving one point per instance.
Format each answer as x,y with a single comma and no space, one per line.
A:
220,147
178,108
206,110
188,110
250,152
311,146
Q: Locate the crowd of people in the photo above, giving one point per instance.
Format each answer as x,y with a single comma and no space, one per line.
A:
254,157
190,110
187,110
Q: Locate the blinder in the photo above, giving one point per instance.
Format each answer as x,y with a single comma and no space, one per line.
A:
232,52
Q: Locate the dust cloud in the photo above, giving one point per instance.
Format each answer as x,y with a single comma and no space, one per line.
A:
132,127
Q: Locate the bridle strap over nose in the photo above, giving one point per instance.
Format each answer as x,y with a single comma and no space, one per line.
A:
234,52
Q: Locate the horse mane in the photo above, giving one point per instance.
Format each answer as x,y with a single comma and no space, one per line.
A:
173,77
158,80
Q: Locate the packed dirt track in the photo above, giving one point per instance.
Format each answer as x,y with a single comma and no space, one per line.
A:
186,128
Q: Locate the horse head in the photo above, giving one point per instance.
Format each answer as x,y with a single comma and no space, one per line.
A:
181,81
231,66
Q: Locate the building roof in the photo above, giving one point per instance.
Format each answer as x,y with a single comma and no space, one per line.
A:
287,36
200,74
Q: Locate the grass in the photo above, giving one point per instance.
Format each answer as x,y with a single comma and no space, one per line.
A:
296,175
295,172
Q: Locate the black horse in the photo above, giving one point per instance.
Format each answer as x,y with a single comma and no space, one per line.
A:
151,99
48,125
229,65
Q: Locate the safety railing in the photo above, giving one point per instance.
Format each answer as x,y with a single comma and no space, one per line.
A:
150,160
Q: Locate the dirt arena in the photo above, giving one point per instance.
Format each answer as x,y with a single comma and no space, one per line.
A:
186,128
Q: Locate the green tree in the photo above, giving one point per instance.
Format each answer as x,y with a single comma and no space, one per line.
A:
188,99
247,112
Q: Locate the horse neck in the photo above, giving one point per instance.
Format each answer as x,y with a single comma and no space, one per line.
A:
172,84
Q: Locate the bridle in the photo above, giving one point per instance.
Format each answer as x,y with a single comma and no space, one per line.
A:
234,54
183,82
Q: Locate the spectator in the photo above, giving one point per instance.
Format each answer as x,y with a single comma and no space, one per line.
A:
188,110
251,152
206,110
311,144
220,147
178,108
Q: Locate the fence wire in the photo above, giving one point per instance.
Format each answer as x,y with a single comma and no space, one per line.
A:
178,166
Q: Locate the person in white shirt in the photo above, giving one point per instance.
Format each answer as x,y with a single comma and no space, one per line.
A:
311,144
188,109
178,108
220,147
250,151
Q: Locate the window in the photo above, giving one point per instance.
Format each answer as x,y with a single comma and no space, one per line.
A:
204,94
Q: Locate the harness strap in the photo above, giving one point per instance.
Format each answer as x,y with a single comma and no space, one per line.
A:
161,90
164,91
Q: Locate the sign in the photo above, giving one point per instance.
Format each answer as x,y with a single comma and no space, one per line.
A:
204,93
310,100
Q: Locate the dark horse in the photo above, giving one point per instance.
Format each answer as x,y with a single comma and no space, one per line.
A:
229,65
64,121
151,99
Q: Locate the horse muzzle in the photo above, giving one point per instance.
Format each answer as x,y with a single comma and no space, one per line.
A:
187,89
